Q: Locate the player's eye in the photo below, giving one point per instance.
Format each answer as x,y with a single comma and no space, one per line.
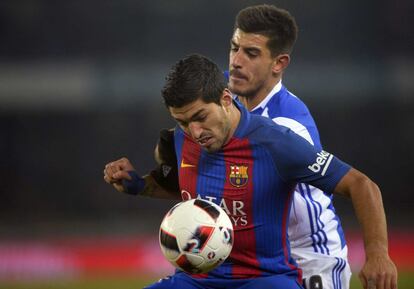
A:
252,54
182,123
201,118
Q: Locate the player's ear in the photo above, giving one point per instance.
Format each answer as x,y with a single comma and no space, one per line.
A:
280,63
226,99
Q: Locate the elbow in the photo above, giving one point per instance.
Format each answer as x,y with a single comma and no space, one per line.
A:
363,185
356,185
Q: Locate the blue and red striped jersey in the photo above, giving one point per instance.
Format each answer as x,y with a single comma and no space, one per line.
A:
253,179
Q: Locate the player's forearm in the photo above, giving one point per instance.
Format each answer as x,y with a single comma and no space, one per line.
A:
367,202
153,190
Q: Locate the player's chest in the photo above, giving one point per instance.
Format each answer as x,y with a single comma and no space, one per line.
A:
233,175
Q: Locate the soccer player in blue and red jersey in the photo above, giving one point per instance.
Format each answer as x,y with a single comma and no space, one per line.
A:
225,155
260,52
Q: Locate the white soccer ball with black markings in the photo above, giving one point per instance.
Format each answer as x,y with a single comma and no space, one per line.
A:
196,236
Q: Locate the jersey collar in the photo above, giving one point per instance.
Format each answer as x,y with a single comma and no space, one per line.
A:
244,120
264,102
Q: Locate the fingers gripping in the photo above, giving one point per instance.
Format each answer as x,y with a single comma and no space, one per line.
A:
117,170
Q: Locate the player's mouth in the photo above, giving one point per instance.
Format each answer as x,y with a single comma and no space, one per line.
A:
205,141
236,75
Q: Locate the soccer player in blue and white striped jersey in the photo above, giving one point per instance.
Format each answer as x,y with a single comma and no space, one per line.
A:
261,44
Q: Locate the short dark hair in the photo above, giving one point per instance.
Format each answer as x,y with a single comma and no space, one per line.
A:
273,22
193,77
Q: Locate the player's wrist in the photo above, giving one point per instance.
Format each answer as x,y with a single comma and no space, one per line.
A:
373,251
135,186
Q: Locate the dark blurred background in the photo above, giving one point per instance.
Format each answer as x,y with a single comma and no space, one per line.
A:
80,86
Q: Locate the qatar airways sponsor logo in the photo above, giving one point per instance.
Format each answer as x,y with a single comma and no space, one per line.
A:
233,208
322,162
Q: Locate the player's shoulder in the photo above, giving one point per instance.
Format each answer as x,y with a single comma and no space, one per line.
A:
290,104
264,131
277,140
178,132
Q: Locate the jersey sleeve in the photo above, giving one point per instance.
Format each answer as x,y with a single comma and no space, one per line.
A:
298,161
166,172
295,109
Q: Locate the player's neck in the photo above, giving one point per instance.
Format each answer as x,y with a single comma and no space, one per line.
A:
252,101
234,120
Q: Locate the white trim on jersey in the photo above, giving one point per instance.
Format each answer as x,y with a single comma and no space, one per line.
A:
264,102
327,165
295,126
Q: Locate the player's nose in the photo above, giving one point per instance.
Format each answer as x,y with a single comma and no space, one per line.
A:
195,129
236,59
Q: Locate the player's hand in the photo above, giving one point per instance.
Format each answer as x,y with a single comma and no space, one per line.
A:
116,172
379,272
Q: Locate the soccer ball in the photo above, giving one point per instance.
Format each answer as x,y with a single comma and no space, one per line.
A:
196,236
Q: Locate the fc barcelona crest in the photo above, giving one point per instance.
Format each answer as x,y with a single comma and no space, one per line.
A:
238,175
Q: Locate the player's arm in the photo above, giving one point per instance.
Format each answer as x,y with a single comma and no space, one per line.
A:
124,178
298,161
154,190
378,270
166,172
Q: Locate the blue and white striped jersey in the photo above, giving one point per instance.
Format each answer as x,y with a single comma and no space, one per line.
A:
314,226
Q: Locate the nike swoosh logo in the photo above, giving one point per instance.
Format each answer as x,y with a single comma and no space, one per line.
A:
184,165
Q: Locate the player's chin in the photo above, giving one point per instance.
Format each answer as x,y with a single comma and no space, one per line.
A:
237,85
212,148
239,89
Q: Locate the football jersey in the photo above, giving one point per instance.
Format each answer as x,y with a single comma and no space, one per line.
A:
313,224
253,178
